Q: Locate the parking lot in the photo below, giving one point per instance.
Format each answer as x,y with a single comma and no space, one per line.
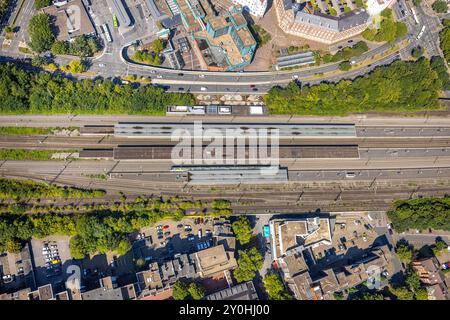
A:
169,238
51,257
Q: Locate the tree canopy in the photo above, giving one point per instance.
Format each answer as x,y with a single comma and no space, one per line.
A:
41,33
440,6
43,93
275,288
39,4
421,214
389,30
404,253
250,261
402,86
444,37
242,230
183,291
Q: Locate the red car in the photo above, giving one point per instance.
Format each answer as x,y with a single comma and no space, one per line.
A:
166,227
201,220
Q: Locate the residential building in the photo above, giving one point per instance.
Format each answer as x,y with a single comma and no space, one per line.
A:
306,22
243,291
429,271
431,275
214,260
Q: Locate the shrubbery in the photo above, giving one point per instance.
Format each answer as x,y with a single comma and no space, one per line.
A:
42,93
421,214
402,86
22,189
100,229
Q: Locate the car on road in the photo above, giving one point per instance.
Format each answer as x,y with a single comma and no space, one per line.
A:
159,76
350,174
203,88
101,65
180,89
201,75
295,76
181,74
252,86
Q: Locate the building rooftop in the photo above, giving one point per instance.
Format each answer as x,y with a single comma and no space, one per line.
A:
214,260
338,24
243,291
293,234
66,20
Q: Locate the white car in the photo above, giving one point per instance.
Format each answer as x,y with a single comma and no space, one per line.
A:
201,75
203,88
295,76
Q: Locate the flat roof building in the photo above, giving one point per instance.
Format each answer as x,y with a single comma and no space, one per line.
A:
71,20
243,291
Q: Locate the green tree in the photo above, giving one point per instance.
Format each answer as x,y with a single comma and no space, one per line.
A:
40,32
444,37
422,213
417,2
440,6
157,46
402,293
386,13
417,52
180,290
439,248
123,247
140,263
196,291
38,61
421,294
413,281
76,66
275,288
345,66
242,229
404,253
9,29
250,261
370,296
13,246
39,4
60,47
437,63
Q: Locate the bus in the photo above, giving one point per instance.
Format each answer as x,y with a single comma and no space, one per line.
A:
115,22
107,33
415,15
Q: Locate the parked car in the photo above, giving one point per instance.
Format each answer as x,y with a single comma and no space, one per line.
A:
191,237
167,233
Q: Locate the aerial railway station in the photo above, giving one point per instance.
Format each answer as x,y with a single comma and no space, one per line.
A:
163,130
164,152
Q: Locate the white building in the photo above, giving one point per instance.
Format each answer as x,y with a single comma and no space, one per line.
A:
255,7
